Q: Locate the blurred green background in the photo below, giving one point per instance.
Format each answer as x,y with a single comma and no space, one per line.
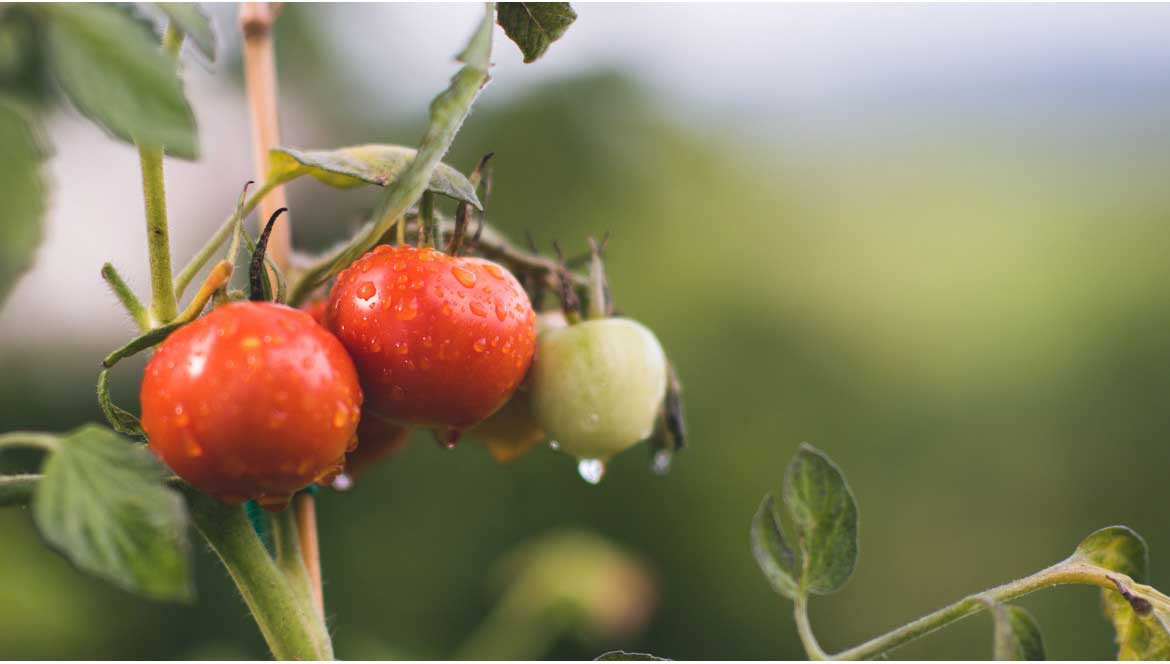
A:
967,309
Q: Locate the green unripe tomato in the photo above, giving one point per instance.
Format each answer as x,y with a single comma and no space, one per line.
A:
597,385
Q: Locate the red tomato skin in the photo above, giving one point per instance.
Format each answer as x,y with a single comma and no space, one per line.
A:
253,401
439,341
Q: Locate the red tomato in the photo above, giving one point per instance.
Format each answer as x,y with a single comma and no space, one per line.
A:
438,341
378,438
252,401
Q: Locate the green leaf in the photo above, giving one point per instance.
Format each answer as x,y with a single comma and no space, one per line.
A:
535,25
23,191
365,164
824,520
112,69
1141,630
103,503
772,552
1017,636
448,111
1118,549
122,420
189,18
623,656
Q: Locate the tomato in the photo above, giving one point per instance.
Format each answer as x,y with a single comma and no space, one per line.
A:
439,341
597,385
252,401
377,438
512,431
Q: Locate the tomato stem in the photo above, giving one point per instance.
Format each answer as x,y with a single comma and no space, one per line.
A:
228,228
163,305
127,297
289,531
1070,571
17,489
291,625
426,219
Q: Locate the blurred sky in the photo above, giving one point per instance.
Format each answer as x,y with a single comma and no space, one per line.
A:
810,79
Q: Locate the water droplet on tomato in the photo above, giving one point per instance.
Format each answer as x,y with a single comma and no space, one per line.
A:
477,309
591,470
449,438
463,275
479,345
366,290
409,311
501,311
494,270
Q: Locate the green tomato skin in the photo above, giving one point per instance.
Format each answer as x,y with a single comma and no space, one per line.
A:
597,385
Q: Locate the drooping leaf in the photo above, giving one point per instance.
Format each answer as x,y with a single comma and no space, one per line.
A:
1117,548
1141,630
824,520
189,18
110,66
365,164
103,504
772,552
623,656
122,420
22,191
1017,636
533,26
448,111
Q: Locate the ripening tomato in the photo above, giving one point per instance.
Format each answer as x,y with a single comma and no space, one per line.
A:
252,401
597,385
377,438
439,341
512,431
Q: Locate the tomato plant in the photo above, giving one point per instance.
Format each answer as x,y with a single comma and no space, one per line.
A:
422,319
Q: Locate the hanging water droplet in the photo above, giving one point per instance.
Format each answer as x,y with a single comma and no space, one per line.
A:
448,439
554,444
660,462
343,482
591,470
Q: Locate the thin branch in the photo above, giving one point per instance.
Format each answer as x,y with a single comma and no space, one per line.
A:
127,297
306,516
256,21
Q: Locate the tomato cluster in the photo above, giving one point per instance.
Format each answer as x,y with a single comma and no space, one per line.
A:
255,400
